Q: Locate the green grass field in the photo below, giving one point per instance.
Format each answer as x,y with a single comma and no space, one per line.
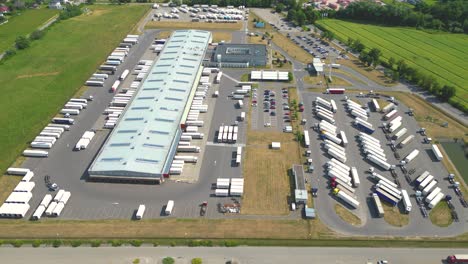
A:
36,82
22,25
443,55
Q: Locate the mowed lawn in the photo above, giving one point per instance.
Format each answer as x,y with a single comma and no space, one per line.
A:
267,183
22,25
36,82
443,55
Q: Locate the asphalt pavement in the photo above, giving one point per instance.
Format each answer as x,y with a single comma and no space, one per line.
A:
221,255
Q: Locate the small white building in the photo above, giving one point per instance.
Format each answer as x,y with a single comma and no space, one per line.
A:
55,4
275,145
318,66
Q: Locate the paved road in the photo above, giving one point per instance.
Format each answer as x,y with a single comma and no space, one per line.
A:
245,255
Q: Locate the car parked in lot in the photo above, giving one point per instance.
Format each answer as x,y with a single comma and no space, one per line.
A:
273,113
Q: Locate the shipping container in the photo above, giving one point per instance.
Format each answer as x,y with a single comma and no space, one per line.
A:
27,177
38,213
437,153
355,176
306,138
94,83
436,200
18,171
376,105
221,192
433,194
344,139
390,114
58,209
378,205
35,153
337,155
19,197
336,90
347,198
400,133
411,156
377,177
425,182
124,75
429,187
330,137
388,107
421,177
386,197
140,212
70,111
406,141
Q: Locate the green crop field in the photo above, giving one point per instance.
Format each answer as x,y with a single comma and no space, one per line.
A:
443,55
22,25
36,82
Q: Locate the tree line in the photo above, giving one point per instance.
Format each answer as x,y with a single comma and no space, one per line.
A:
448,15
400,69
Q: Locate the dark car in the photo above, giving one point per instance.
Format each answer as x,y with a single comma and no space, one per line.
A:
266,110
273,113
272,107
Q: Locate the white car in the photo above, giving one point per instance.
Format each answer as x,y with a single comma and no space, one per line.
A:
267,125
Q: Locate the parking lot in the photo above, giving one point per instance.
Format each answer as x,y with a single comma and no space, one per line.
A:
371,223
192,14
270,108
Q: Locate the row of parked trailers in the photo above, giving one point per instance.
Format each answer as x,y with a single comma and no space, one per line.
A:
360,116
52,207
372,148
343,179
17,203
53,131
427,185
228,134
229,187
192,124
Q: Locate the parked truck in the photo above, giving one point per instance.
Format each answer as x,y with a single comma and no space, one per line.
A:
406,201
381,163
378,205
345,197
406,141
386,197
457,259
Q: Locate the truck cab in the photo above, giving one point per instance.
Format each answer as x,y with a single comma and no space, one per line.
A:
457,259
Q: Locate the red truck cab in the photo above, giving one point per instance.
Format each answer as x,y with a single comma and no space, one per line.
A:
457,258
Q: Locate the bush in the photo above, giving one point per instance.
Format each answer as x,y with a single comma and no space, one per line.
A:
37,34
197,261
136,261
17,243
70,11
22,42
155,244
36,243
1,242
168,260
75,243
115,243
230,243
173,244
136,243
96,243
56,243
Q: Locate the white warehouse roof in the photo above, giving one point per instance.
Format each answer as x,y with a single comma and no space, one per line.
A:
142,142
318,65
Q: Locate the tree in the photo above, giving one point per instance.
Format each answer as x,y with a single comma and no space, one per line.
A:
447,91
365,58
300,17
279,8
395,75
358,45
391,62
37,34
90,2
350,42
291,16
22,42
374,54
290,76
197,261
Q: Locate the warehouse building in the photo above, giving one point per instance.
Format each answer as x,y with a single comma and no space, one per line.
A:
143,143
238,56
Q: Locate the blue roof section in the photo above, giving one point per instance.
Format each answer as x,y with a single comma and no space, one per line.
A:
146,133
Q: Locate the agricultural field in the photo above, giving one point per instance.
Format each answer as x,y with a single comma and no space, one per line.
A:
22,25
442,55
38,80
